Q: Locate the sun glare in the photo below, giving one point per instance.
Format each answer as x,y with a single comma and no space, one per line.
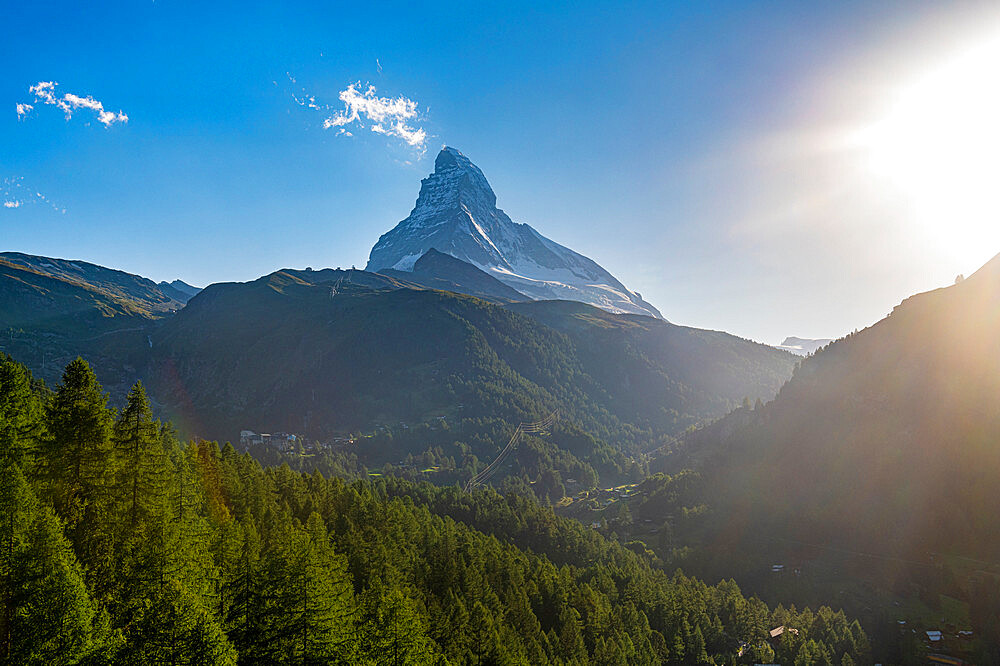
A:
939,144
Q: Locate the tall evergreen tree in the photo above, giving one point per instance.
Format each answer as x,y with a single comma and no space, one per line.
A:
485,639
79,464
243,603
312,591
173,627
393,632
46,615
20,409
141,469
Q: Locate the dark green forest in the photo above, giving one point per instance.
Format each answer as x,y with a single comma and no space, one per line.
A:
121,544
426,375
873,472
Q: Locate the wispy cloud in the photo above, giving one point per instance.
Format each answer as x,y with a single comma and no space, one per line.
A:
363,108
69,103
384,115
15,194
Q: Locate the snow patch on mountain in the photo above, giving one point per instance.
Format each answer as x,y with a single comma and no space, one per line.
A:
456,214
803,346
406,263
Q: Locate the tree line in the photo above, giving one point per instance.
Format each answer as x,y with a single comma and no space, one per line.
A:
121,544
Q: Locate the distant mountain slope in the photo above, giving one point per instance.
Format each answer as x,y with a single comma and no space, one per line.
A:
437,270
52,310
316,353
803,346
885,441
133,292
326,352
456,214
641,360
179,290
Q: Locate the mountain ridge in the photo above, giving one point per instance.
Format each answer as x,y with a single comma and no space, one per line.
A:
327,302
437,270
897,423
456,214
803,346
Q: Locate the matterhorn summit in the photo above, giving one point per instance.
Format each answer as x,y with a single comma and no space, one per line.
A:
456,213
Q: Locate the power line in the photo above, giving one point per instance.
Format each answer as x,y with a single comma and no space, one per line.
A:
491,469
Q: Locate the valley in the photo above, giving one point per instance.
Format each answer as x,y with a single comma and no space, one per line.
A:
688,449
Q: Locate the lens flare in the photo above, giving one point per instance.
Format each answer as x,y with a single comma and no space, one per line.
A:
939,145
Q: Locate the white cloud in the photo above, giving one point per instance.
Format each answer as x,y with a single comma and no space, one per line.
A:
45,93
385,115
389,116
15,194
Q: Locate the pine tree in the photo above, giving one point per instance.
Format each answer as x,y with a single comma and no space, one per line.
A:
571,646
79,466
140,502
485,639
393,631
697,648
243,605
47,615
20,411
79,446
323,611
173,627
141,471
187,532
308,596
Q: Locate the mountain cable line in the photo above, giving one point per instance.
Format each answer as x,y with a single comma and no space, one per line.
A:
491,469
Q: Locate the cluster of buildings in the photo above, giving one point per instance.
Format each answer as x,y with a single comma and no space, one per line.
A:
282,441
286,442
948,646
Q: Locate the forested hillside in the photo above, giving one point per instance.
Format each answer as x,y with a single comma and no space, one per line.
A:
120,544
897,423
326,353
420,371
874,470
52,310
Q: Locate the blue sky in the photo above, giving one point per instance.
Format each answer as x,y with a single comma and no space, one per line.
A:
652,137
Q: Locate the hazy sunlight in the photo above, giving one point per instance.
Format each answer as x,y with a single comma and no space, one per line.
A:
939,143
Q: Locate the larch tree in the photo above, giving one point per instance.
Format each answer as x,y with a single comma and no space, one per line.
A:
79,465
141,465
311,588
20,411
47,614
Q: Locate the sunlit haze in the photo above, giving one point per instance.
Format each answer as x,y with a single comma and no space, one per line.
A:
569,333
790,169
939,143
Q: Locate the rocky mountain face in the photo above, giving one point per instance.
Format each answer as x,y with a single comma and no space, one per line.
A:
456,213
437,270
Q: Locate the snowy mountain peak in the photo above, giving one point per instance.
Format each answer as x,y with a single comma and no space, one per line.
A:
456,214
455,168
